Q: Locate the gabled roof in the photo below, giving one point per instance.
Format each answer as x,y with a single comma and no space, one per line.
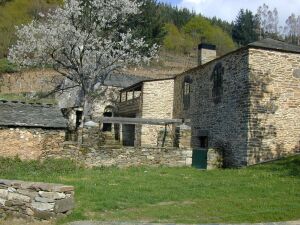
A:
20,114
143,81
265,44
269,43
123,80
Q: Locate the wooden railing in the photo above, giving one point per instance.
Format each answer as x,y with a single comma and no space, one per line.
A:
132,105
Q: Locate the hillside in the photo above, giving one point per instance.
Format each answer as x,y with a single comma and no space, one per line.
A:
16,12
156,22
178,31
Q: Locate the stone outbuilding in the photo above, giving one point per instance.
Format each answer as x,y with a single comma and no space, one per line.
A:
30,130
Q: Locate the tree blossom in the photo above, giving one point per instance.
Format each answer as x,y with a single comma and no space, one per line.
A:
84,40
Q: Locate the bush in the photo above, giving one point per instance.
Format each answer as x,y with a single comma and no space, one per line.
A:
7,67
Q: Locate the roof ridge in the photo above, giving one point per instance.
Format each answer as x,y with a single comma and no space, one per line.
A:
3,101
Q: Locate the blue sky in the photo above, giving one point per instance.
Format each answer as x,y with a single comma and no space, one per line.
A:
228,9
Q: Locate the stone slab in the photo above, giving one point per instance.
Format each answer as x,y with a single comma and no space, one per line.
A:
18,197
52,195
41,206
64,205
3,193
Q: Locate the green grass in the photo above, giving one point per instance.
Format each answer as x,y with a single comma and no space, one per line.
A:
269,192
6,66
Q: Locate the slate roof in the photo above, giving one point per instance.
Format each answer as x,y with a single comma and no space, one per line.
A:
123,80
269,43
20,114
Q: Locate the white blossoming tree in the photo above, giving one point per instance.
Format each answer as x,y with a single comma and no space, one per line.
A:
84,41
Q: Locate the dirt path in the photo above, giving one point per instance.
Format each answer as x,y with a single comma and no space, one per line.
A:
23,222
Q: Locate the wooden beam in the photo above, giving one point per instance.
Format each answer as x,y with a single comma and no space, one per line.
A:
127,120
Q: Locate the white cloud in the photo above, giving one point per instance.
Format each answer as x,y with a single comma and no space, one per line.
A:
228,9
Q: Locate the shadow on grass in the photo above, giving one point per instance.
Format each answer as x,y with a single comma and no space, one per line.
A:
289,166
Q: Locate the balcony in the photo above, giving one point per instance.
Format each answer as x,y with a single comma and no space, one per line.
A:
130,101
129,107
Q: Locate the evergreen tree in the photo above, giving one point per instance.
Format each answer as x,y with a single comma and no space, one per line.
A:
227,27
245,28
148,23
171,14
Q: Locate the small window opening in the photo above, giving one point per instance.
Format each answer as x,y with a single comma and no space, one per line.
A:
186,92
203,141
107,127
217,78
78,118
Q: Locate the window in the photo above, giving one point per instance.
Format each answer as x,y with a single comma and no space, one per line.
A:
79,115
108,112
217,78
186,92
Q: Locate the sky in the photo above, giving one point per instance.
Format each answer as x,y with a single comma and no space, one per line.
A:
228,9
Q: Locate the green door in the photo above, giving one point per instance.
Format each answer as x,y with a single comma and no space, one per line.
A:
199,158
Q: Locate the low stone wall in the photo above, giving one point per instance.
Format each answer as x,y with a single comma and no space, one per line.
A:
35,200
125,156
29,143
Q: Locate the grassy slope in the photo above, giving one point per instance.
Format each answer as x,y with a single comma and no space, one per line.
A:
269,192
15,13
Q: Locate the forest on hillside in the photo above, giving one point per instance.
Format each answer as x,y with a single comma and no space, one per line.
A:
177,30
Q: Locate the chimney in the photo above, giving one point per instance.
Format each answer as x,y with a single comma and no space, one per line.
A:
206,53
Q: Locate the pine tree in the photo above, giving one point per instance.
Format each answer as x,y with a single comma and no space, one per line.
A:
245,28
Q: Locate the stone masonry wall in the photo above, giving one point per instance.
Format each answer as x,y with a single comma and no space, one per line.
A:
225,123
274,128
35,200
125,156
29,143
157,103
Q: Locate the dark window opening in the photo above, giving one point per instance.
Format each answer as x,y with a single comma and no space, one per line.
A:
78,118
203,140
186,92
217,78
107,127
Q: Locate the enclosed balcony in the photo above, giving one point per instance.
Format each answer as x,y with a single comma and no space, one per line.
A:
130,100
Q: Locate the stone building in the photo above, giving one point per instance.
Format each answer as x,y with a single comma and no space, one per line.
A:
30,130
243,106
150,99
235,110
245,103
106,105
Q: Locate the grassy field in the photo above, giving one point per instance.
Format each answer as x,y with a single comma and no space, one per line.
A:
269,192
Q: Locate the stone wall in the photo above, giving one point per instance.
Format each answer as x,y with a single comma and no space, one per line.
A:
125,156
29,143
223,122
157,103
274,126
35,200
